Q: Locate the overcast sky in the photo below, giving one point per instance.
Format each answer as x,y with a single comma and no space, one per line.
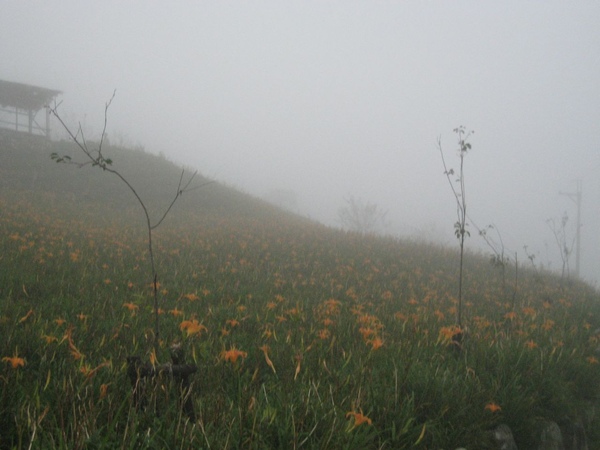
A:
333,99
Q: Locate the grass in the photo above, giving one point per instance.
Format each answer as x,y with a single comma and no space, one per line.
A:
343,341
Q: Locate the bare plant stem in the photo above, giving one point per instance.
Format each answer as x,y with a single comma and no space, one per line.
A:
460,227
514,297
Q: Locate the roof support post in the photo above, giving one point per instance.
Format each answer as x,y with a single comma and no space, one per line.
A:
47,110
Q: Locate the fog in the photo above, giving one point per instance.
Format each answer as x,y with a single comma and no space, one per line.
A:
335,99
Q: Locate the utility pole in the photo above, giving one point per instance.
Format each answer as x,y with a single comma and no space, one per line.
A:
576,197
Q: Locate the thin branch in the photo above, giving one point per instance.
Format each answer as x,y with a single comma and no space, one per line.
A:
106,106
446,171
177,195
198,186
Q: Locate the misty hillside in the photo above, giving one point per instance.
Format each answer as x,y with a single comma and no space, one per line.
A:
68,190
27,171
26,167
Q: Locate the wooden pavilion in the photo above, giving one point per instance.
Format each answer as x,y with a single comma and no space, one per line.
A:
20,104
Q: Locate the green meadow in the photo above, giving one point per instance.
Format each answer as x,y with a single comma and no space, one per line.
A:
303,336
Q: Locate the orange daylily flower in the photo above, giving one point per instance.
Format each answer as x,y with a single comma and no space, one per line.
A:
192,327
324,334
366,332
530,344
492,407
15,361
447,334
333,306
548,324
293,311
49,339
191,297
233,355
268,333
103,390
592,360
376,343
529,311
400,316
359,418
131,306
59,322
176,312
368,319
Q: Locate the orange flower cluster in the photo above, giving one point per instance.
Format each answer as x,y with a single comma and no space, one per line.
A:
447,334
325,313
371,329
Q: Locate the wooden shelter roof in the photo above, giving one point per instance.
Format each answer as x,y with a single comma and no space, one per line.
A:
25,96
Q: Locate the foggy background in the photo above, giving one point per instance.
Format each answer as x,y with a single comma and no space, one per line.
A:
326,100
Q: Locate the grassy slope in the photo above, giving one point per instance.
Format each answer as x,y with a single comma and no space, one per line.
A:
322,301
